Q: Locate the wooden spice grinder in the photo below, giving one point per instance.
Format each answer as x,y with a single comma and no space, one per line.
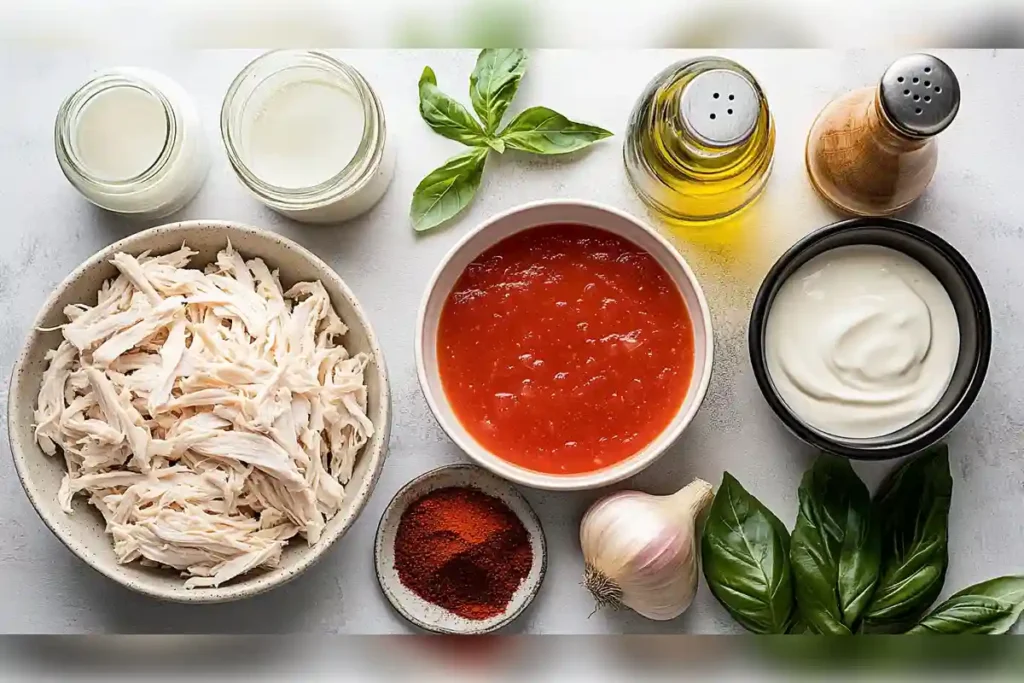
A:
872,151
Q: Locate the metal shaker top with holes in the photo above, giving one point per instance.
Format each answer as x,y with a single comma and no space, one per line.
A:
920,95
720,107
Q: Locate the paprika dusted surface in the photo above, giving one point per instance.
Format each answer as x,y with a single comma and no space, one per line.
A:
462,550
565,349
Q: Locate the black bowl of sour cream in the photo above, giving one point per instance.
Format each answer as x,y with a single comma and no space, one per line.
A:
870,338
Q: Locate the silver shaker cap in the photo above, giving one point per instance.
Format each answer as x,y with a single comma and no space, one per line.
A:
920,95
720,107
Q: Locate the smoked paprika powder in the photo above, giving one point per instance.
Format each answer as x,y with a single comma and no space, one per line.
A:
462,550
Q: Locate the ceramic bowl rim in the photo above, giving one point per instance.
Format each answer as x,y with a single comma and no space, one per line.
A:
590,480
259,583
393,600
943,422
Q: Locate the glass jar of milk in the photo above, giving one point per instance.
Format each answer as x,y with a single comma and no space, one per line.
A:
305,134
130,141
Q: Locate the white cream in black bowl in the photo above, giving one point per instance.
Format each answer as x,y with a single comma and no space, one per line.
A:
870,338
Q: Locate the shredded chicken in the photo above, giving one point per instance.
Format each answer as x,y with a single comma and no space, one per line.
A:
209,415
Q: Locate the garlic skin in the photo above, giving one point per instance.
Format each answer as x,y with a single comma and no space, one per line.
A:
641,551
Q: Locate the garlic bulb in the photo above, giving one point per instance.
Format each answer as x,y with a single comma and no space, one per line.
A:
641,550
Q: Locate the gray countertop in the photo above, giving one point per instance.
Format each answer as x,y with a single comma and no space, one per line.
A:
975,202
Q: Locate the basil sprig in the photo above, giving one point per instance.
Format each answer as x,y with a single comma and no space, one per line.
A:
853,564
492,86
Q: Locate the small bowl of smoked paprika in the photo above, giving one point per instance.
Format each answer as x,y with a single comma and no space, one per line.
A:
459,551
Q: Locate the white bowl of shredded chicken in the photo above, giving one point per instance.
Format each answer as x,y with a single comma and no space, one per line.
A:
200,411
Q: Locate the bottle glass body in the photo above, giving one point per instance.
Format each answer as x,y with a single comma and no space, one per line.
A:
679,176
860,163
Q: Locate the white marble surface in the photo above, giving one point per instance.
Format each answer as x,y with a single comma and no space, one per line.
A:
975,202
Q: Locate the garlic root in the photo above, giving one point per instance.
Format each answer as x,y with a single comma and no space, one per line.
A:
606,592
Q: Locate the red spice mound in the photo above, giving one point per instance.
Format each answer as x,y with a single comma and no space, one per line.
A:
462,550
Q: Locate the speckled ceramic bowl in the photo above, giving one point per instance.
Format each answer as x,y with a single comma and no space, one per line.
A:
430,617
83,531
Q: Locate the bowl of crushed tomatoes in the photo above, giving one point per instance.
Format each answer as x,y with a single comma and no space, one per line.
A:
564,345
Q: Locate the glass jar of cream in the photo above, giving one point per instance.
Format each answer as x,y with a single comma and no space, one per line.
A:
130,141
306,135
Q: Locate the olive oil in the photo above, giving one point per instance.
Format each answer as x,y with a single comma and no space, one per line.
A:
700,141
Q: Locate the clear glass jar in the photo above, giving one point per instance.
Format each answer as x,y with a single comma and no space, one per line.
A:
305,133
98,139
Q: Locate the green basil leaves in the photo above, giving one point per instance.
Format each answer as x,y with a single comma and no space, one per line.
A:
494,83
745,554
853,564
446,116
990,607
492,86
913,510
542,131
448,189
836,551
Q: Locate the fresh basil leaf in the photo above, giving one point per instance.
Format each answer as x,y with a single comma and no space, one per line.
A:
799,627
446,116
494,82
544,131
745,555
912,507
835,552
991,607
447,190
497,144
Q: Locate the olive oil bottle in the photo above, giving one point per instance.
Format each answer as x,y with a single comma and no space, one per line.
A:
700,141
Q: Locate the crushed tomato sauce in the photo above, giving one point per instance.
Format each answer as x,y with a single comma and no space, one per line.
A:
565,349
